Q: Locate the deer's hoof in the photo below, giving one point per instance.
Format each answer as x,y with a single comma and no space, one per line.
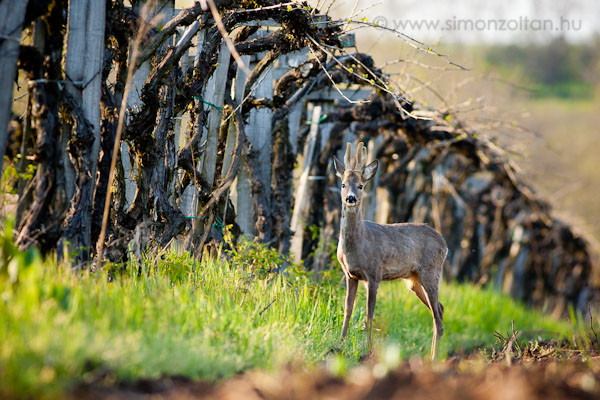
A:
370,355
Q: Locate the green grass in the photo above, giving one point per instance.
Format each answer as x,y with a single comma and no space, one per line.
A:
212,320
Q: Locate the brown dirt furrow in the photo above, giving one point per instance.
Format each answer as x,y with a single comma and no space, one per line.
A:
465,380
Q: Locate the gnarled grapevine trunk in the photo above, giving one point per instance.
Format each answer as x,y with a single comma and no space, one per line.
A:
42,205
435,171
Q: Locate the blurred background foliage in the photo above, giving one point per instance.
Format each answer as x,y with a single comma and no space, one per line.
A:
556,69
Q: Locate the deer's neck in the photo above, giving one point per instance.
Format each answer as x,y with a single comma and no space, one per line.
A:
351,228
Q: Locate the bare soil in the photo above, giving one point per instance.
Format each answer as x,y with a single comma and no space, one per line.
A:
536,371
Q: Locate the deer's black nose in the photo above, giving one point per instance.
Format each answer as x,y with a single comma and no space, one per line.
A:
351,199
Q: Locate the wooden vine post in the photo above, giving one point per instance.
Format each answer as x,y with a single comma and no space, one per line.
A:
269,151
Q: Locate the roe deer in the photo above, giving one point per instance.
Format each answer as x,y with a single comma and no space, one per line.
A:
372,253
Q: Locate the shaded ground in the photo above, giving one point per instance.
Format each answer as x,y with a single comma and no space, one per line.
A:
547,371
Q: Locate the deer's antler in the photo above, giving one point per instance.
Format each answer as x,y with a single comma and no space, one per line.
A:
356,163
360,157
348,155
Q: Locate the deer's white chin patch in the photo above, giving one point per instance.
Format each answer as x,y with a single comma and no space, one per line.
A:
350,206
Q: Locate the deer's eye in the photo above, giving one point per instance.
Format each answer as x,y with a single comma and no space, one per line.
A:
343,186
360,187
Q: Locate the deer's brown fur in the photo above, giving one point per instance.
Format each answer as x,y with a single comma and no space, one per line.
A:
372,253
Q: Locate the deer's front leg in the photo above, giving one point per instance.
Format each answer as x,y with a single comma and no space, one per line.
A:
351,286
372,286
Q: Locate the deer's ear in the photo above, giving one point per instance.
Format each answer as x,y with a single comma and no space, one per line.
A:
339,167
370,170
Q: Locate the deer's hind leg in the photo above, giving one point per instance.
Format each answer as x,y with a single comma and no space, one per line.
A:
426,289
415,286
371,286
